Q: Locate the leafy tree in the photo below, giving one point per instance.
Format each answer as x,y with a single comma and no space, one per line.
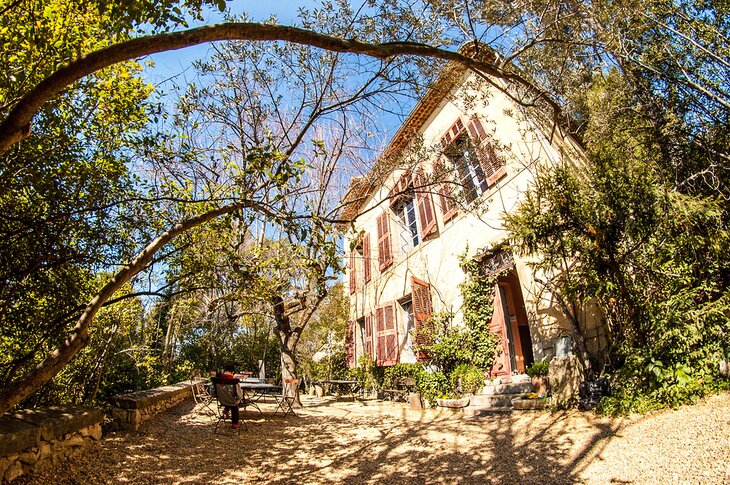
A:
612,233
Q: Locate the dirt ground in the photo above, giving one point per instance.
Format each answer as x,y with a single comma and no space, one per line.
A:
373,442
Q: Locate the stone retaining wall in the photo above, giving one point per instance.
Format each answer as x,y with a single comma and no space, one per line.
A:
129,411
34,438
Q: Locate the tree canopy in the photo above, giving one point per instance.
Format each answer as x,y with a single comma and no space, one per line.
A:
99,190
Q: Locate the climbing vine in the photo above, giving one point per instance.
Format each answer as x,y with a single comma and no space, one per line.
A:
472,344
477,292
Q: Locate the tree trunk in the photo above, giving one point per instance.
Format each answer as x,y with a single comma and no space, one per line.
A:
289,366
52,365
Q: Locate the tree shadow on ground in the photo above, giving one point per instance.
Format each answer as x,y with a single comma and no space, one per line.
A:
345,441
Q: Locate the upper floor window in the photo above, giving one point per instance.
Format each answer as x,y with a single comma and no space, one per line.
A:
410,200
475,161
406,212
470,175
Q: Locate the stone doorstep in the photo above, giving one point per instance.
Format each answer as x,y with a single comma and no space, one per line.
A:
513,388
498,400
486,410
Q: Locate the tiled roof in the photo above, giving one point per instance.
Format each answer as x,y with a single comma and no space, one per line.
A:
361,187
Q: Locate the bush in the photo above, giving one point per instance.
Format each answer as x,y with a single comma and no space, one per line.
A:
538,369
366,372
432,385
467,379
399,371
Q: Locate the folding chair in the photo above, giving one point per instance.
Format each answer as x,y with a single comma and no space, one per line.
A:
285,403
219,384
200,394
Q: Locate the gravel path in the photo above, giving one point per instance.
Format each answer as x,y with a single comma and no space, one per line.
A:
374,442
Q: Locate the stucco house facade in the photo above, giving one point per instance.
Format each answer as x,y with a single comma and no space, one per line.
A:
462,159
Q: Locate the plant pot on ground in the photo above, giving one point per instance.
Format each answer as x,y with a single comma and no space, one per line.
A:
538,373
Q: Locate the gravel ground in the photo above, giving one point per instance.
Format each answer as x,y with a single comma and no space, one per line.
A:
374,442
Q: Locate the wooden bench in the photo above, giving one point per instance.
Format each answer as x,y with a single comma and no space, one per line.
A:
402,387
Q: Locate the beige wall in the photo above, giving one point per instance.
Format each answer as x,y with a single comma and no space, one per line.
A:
436,260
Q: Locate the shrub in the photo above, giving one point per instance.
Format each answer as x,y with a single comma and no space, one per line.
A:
467,379
432,385
398,371
538,369
366,372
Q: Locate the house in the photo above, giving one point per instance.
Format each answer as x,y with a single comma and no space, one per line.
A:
463,158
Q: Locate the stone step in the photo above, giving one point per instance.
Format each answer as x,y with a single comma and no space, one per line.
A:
512,388
496,400
485,410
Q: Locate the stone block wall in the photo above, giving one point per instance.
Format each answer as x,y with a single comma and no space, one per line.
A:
565,374
129,411
34,438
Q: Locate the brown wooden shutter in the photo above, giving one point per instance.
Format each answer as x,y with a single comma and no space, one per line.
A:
366,257
425,206
350,344
387,335
385,255
421,300
369,335
491,162
353,276
446,199
452,133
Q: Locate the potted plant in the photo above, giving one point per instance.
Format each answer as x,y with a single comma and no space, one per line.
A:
538,373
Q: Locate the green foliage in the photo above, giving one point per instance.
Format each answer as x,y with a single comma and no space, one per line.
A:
613,233
368,373
473,344
432,385
467,379
538,369
398,371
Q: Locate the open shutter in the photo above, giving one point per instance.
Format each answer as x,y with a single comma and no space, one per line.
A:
421,300
350,344
379,336
491,162
425,206
369,335
353,276
452,133
385,255
366,257
446,197
387,335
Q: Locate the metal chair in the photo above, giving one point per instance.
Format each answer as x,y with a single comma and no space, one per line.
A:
219,384
285,403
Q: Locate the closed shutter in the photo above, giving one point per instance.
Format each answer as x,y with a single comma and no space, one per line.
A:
385,255
350,344
387,335
353,276
491,162
421,300
369,336
366,257
425,206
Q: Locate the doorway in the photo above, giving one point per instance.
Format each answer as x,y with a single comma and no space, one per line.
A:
509,323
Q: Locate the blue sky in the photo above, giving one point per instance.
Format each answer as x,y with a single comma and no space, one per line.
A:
168,64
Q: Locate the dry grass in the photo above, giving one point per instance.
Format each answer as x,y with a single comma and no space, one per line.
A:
374,442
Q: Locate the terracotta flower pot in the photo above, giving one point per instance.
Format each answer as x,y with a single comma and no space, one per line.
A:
540,383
